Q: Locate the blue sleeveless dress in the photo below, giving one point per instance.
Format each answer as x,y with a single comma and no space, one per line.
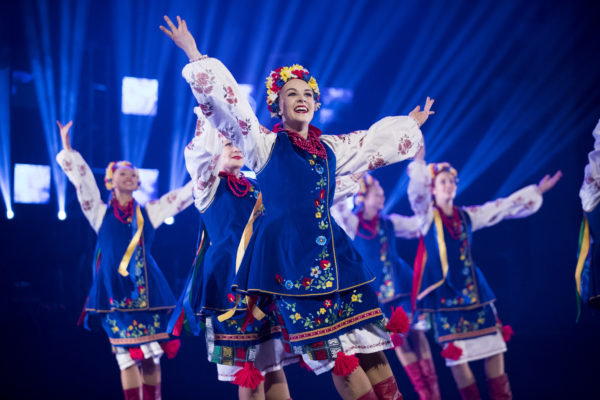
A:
132,309
207,292
299,255
461,307
393,281
590,278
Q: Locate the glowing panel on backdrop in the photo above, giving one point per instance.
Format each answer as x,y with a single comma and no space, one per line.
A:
139,96
32,184
148,186
333,99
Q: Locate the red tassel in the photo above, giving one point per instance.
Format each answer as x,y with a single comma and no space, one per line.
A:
452,352
248,376
171,348
179,324
345,365
303,364
398,322
136,353
397,340
507,332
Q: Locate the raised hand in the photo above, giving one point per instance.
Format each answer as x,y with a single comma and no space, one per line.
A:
64,134
548,182
421,116
182,37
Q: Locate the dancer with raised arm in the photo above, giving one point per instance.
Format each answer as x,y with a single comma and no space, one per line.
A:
374,235
298,258
129,297
587,273
247,353
449,285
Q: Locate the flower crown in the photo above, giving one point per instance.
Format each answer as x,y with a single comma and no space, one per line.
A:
437,168
110,170
364,185
281,76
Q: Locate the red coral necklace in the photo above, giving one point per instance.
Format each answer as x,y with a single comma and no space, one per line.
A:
239,186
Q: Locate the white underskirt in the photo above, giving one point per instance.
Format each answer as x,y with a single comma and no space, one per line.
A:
151,350
478,348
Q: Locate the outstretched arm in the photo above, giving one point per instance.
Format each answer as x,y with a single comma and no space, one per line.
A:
520,204
590,188
81,176
222,101
169,204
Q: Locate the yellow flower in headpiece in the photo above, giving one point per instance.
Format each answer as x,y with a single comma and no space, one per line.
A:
285,74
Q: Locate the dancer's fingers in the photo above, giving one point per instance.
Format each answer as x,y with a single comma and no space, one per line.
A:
169,22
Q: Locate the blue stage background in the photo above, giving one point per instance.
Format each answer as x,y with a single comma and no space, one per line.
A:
517,96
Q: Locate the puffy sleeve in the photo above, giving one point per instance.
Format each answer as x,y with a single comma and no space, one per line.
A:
411,227
520,204
345,218
388,141
169,204
419,197
88,194
202,156
226,107
590,189
346,186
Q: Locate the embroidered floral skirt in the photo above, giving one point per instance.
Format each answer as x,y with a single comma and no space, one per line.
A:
450,325
134,328
318,327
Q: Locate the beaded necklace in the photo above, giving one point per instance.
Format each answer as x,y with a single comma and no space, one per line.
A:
123,213
239,186
311,144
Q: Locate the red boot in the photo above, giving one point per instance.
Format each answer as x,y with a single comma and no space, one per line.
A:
470,392
417,378
370,395
430,378
133,393
152,392
387,389
499,388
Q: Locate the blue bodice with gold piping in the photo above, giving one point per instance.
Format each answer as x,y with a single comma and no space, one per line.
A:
297,249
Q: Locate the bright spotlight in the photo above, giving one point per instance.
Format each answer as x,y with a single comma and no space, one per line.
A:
169,221
10,214
62,215
139,96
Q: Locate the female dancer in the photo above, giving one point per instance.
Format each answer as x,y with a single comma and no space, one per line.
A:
226,198
130,296
448,283
298,256
587,274
374,235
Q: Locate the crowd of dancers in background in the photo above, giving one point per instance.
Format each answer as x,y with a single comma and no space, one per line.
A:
286,272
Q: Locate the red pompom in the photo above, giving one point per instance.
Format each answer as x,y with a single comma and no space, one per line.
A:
345,365
452,352
136,353
171,348
303,364
398,322
507,332
248,376
397,340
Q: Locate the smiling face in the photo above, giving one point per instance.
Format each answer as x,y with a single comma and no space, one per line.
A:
375,198
444,188
125,179
296,103
232,158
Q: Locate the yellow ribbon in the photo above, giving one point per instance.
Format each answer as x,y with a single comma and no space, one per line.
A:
133,244
439,228
246,235
583,253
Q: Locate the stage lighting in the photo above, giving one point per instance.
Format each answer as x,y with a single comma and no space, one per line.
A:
247,89
139,96
62,215
333,99
169,221
32,184
10,214
148,186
